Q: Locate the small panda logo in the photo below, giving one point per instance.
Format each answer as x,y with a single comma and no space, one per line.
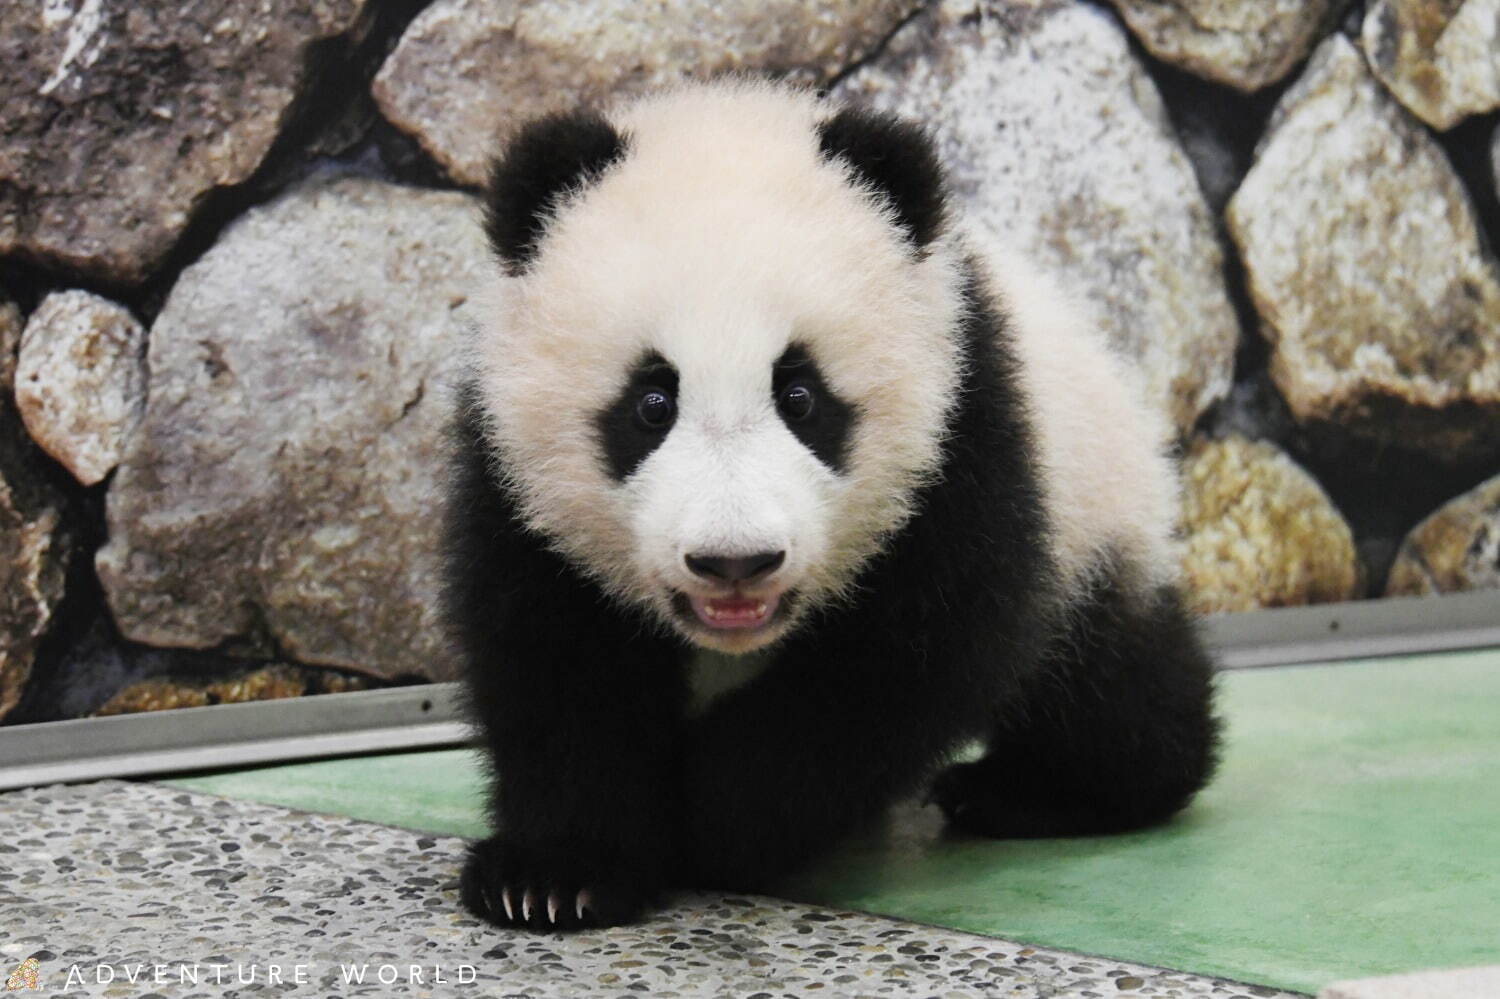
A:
28,975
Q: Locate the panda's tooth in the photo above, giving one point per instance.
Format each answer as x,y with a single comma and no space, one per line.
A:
760,610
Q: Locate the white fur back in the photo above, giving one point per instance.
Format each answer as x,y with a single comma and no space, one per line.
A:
1111,485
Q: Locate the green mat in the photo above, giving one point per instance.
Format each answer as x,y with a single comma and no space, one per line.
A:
1354,830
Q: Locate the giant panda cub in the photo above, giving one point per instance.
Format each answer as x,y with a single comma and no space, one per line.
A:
771,496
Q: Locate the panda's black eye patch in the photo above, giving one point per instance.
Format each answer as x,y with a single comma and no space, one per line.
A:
810,409
641,416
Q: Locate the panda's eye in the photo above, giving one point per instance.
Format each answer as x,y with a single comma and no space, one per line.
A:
796,401
655,410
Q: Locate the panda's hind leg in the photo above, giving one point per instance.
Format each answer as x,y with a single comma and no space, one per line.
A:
1115,731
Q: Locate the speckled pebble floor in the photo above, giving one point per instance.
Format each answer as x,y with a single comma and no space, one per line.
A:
116,879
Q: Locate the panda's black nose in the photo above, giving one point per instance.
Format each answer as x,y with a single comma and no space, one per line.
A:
735,568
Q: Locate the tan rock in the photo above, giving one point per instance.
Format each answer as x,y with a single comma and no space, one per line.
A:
469,70
264,683
33,560
1058,147
1365,264
1243,45
81,381
1260,531
120,117
280,496
34,548
1437,56
1456,548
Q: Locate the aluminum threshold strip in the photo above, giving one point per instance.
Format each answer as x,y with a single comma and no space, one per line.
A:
1356,630
236,735
231,735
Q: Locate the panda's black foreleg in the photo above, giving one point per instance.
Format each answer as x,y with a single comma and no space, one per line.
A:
578,706
1114,732
585,804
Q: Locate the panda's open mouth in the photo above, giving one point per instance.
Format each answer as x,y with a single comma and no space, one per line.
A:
737,612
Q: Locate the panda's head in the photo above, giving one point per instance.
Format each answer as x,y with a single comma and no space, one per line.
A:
722,354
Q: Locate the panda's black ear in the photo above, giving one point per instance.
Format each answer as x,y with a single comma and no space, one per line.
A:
896,158
547,158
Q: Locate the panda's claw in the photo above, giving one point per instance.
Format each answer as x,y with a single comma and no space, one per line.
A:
515,888
528,902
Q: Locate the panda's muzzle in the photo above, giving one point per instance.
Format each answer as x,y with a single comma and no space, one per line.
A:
737,609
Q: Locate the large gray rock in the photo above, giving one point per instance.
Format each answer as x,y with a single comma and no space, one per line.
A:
34,547
1244,45
1365,265
119,117
1058,146
81,381
279,496
1439,57
469,70
1456,548
1260,531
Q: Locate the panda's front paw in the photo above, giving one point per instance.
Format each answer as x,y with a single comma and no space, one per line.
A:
987,799
960,789
510,886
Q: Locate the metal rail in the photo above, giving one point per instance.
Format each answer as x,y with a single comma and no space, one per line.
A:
237,735
1358,629
231,735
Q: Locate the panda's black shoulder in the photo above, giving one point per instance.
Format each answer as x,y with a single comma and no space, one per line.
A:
979,534
989,479
488,552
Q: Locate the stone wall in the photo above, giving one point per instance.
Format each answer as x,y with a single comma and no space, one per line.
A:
236,239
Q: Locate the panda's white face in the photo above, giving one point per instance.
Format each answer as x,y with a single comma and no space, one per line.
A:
726,374
730,510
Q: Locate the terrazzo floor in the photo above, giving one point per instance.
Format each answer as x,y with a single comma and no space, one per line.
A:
1351,831
122,889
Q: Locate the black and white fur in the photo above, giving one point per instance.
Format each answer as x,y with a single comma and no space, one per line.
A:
973,518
